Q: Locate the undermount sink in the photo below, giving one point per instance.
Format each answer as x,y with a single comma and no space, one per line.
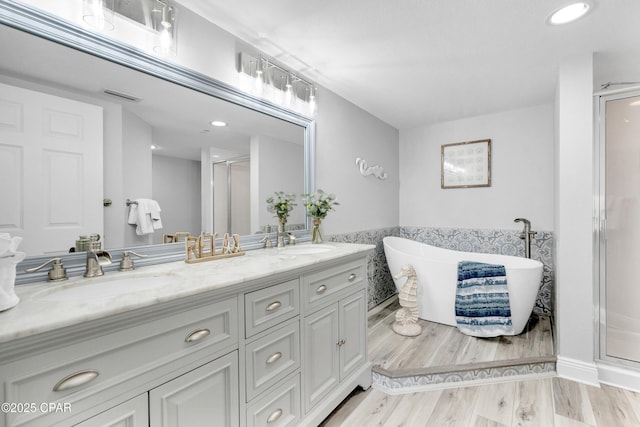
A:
109,286
308,249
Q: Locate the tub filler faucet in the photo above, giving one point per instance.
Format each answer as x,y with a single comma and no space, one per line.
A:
526,235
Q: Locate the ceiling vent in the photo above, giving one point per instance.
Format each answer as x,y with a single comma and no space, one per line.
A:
130,98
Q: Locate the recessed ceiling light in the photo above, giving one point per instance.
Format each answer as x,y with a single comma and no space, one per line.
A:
569,13
218,123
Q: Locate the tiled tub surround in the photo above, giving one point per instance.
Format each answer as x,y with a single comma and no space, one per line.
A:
504,242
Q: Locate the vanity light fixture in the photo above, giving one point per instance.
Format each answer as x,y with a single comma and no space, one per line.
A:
279,85
163,21
569,13
99,14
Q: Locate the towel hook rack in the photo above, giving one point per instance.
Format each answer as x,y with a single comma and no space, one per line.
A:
131,202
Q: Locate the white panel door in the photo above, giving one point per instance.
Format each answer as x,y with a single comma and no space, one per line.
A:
353,332
50,169
132,413
206,396
321,354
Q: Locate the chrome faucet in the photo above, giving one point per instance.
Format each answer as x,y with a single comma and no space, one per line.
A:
95,261
267,242
526,235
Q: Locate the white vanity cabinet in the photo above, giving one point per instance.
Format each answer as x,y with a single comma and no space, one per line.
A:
90,367
274,350
335,331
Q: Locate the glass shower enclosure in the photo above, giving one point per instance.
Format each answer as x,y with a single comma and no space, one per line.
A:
619,228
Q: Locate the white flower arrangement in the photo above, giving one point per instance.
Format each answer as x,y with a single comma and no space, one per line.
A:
319,204
281,204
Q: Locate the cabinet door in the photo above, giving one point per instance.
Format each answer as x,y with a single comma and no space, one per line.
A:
206,396
321,354
353,333
132,413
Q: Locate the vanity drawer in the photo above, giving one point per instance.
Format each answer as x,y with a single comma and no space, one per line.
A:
278,407
324,286
100,368
269,306
272,357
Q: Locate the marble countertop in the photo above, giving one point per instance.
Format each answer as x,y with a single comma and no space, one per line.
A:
46,306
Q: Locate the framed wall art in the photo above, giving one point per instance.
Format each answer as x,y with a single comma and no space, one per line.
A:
466,164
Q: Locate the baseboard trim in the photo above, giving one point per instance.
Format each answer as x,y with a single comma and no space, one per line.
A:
384,304
619,376
577,370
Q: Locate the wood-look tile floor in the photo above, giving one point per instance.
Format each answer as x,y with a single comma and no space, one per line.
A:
545,402
442,348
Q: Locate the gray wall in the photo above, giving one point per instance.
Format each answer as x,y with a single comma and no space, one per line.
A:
176,188
521,170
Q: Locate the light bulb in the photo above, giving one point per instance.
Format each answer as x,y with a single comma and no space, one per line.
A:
165,40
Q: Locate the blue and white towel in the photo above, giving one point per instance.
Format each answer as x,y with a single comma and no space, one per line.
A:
482,300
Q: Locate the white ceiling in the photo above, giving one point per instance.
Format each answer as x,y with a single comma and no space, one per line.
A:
411,62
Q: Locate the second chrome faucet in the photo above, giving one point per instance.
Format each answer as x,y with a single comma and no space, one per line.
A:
95,261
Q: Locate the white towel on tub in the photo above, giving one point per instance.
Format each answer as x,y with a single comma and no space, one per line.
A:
145,214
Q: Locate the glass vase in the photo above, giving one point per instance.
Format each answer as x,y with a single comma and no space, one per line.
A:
316,237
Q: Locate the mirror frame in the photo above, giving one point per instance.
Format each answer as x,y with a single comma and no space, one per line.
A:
41,24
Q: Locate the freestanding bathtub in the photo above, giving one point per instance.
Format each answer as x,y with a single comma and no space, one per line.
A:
437,273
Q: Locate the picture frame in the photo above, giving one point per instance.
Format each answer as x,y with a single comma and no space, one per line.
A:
466,164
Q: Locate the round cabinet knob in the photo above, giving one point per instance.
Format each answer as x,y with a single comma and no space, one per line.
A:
352,277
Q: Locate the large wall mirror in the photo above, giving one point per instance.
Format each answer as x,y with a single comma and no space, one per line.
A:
145,131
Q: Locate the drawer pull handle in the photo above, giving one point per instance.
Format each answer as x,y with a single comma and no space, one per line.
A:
274,358
275,415
352,277
76,380
321,289
274,306
197,335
